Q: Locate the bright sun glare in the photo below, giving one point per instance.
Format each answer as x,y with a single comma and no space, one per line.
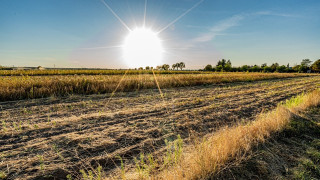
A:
142,47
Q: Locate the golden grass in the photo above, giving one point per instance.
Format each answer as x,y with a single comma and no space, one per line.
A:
205,159
23,87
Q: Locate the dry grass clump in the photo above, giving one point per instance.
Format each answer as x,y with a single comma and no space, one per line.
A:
208,157
28,87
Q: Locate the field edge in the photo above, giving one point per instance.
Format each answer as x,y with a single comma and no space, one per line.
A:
206,159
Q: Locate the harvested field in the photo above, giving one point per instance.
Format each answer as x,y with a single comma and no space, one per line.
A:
58,136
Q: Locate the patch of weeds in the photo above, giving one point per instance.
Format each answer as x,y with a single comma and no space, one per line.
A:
314,154
293,102
14,125
57,150
90,103
17,126
174,151
41,160
26,111
54,123
96,175
122,169
48,118
316,144
20,126
145,165
310,166
1,156
4,126
69,177
307,170
70,107
3,175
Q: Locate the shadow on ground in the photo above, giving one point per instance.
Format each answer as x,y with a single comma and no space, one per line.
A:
291,154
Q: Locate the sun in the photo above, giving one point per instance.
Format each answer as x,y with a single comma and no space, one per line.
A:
142,47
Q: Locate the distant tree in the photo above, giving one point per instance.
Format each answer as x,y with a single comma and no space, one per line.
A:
303,68
229,63
296,68
224,65
147,68
219,68
316,66
244,68
40,68
305,65
174,66
235,69
208,67
182,65
289,69
267,69
306,62
281,69
140,68
151,68
255,68
222,62
227,67
263,65
165,67
274,67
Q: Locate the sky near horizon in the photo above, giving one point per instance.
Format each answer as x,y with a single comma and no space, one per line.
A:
85,33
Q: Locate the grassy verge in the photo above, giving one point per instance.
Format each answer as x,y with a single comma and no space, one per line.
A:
28,87
206,159
291,154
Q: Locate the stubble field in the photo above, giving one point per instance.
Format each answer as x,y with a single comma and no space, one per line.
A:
57,136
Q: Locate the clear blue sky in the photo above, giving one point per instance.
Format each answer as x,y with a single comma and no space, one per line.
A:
84,33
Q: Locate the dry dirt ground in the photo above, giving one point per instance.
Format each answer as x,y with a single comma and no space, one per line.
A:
53,137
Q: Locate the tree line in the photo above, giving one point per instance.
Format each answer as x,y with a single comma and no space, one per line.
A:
5,68
306,66
166,67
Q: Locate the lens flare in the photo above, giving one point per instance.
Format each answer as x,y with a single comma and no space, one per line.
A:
142,47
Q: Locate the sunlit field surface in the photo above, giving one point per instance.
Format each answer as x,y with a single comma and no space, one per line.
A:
104,123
